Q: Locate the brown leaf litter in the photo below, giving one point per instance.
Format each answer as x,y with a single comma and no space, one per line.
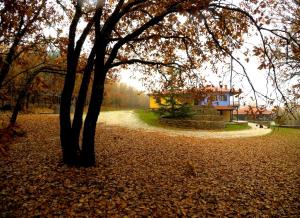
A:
146,174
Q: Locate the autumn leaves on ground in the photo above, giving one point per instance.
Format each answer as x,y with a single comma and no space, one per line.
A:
146,174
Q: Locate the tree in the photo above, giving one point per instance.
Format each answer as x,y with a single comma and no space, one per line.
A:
123,30
279,51
288,51
24,72
175,93
120,95
142,33
28,83
24,44
22,29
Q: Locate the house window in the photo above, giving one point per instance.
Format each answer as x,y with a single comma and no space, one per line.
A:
211,98
157,99
223,97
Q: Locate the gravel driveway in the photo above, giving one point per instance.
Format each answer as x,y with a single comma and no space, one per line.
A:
129,119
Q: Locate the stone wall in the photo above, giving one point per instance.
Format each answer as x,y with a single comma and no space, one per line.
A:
192,124
205,117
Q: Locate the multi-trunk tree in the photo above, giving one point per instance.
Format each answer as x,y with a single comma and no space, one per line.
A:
139,32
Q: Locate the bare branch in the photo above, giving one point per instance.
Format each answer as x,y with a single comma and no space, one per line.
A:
146,62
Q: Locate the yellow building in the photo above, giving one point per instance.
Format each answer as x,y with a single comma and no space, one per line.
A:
222,99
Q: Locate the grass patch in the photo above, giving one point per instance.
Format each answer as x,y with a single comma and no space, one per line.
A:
149,117
236,127
286,132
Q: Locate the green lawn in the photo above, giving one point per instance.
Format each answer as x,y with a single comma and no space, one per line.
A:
236,127
152,119
149,117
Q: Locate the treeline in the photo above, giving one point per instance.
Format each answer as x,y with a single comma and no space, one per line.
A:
120,95
44,92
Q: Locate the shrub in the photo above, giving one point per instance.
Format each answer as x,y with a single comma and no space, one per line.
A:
175,111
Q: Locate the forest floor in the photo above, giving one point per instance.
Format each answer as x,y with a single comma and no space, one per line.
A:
142,173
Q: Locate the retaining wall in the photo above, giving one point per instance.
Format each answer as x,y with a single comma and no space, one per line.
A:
192,124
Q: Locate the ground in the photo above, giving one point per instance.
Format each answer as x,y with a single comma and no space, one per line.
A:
141,173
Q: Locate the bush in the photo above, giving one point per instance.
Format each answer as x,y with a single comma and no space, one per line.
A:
285,118
178,111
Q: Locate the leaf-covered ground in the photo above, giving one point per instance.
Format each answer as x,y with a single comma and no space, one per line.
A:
146,174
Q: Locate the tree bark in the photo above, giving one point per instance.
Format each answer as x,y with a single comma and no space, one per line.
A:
70,152
88,141
8,61
77,121
21,98
17,108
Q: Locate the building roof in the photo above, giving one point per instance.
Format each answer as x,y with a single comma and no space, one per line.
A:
253,110
224,108
221,89
203,90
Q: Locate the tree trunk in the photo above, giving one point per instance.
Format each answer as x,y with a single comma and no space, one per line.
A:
17,107
88,141
8,61
77,122
69,150
21,98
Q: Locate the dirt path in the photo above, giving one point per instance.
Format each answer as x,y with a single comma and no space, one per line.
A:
130,120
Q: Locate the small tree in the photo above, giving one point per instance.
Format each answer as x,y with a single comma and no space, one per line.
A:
175,104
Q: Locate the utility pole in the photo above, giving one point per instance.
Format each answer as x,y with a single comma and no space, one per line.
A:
230,88
231,69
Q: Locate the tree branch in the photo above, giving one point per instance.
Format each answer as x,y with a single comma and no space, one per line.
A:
146,62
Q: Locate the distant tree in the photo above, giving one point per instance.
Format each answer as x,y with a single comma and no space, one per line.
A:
119,95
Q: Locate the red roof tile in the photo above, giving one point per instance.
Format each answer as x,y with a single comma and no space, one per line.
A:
221,108
251,110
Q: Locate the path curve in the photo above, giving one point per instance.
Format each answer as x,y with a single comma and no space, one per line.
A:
129,119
